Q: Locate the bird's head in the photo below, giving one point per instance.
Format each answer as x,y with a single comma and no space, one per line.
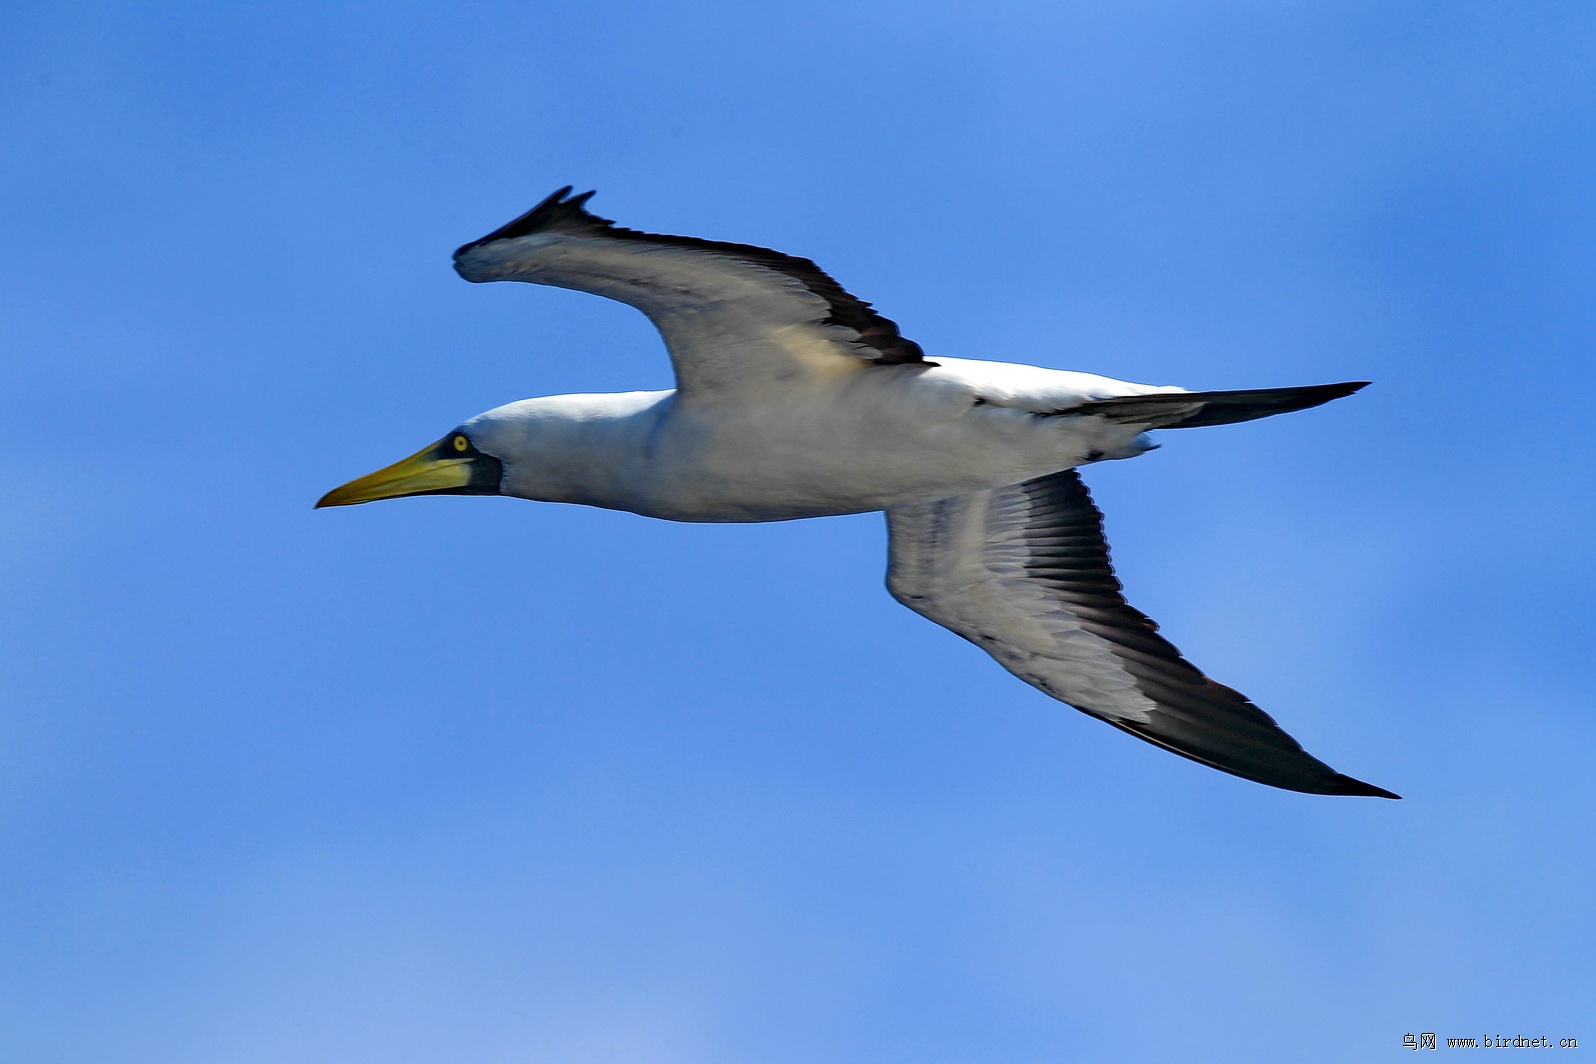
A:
452,466
558,448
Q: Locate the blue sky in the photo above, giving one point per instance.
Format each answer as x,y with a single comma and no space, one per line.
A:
481,780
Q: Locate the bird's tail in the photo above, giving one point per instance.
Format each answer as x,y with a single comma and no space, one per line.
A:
1190,410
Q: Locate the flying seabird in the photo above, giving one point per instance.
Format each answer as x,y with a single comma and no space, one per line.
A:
796,399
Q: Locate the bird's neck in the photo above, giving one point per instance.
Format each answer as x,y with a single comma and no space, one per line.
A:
590,449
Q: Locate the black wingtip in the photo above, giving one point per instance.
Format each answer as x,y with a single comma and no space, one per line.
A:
1357,788
555,211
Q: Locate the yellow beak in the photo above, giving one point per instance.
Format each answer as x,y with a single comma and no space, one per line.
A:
441,469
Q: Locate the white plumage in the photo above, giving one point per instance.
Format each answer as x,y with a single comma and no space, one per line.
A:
795,399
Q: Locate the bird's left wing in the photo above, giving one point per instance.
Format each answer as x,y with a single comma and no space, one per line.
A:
732,315
1023,573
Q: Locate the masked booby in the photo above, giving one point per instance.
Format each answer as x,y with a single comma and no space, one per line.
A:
795,399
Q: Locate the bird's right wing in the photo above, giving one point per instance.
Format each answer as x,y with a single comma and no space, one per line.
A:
734,316
1023,573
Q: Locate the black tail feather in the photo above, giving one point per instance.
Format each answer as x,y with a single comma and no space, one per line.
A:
1190,410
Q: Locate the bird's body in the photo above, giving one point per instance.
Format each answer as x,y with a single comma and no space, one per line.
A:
794,399
856,439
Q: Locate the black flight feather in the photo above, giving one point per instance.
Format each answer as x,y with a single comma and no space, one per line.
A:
559,214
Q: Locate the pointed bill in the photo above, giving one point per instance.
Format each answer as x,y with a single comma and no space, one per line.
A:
452,466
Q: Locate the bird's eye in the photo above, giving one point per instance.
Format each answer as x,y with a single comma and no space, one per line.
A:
461,443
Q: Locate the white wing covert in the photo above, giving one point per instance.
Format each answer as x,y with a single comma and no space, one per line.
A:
732,315
1023,572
